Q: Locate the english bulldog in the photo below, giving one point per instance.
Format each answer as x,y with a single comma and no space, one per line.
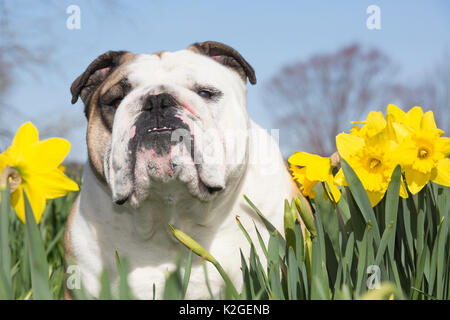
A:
170,142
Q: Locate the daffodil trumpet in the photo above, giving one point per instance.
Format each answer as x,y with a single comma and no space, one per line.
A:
309,169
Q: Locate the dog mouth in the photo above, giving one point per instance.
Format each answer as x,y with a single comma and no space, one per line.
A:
212,190
153,153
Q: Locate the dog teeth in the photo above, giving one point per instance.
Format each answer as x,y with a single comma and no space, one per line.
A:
159,129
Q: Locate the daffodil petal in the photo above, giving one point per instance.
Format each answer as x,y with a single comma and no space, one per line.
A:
306,187
3,162
296,171
428,122
414,117
445,145
48,154
375,123
319,170
398,114
26,136
358,122
443,172
348,144
401,131
390,131
37,200
334,189
375,197
54,184
18,204
317,167
356,131
416,180
302,159
339,178
403,191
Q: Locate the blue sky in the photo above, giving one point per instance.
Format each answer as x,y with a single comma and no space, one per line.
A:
269,34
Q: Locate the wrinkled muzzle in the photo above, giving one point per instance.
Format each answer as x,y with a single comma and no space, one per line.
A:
156,140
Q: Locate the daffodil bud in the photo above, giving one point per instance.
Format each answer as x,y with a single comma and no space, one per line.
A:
306,214
13,176
335,159
192,244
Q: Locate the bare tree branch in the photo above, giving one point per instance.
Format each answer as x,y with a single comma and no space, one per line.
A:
312,100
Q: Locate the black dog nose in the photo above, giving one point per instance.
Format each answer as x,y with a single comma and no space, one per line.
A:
159,101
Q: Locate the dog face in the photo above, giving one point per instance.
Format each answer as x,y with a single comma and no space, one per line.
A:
168,117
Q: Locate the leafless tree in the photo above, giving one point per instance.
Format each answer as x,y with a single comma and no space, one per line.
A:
31,49
311,101
17,54
431,92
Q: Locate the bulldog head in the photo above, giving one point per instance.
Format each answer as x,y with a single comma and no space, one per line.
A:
170,117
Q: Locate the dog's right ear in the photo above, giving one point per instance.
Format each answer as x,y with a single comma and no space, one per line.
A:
227,56
99,69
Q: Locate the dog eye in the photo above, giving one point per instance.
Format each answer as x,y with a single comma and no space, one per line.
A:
205,93
115,103
111,103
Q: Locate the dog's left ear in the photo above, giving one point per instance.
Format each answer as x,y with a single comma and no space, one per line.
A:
227,56
95,74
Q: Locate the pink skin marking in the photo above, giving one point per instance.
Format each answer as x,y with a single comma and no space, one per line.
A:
184,105
105,71
132,132
162,163
140,170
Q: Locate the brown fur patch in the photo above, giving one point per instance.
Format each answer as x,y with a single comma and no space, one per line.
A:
226,56
98,135
160,53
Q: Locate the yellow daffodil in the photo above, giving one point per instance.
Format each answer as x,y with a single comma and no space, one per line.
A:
306,186
414,118
375,146
39,165
372,162
423,153
374,124
313,169
373,152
